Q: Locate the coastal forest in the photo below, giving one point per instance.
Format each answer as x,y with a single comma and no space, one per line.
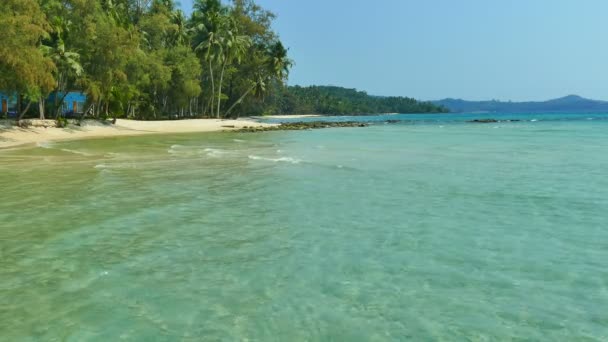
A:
330,100
147,60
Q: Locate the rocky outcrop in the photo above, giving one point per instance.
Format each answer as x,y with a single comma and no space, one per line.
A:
491,121
299,126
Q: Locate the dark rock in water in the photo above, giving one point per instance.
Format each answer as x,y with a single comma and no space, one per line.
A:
484,121
298,126
492,120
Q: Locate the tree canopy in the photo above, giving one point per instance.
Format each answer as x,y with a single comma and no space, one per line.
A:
141,59
339,101
144,59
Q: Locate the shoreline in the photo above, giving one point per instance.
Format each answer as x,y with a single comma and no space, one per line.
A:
43,131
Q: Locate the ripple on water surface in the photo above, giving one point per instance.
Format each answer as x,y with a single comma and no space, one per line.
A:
392,232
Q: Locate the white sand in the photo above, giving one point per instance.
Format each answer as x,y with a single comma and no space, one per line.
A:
14,136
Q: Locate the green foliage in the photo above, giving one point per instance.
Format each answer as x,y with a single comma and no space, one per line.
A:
24,68
337,101
144,59
61,122
136,58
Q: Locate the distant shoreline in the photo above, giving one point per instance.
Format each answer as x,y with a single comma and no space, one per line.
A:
45,131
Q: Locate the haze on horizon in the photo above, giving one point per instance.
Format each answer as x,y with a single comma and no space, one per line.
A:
519,50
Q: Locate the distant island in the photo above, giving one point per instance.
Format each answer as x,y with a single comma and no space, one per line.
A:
331,100
571,103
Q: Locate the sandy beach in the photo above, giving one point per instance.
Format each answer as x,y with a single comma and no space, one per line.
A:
12,136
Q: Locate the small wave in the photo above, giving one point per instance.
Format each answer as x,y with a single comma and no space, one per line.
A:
214,152
174,149
76,152
115,166
44,144
238,140
534,120
277,160
182,150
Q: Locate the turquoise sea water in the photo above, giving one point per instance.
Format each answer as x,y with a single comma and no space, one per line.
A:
430,229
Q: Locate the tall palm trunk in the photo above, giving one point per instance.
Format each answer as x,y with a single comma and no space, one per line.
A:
219,92
212,85
240,99
41,107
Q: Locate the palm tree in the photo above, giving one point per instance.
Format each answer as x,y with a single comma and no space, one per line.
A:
275,64
207,44
278,60
234,48
68,67
180,36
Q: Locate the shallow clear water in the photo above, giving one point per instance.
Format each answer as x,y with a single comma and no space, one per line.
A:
427,230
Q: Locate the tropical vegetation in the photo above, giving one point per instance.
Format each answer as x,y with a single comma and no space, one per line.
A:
142,59
339,101
145,59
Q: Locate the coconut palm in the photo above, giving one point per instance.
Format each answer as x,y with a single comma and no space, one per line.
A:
275,64
180,36
207,43
68,67
279,62
234,47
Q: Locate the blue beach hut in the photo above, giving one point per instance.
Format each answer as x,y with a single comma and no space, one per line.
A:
73,102
8,103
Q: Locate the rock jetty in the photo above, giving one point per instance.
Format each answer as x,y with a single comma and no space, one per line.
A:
299,126
491,121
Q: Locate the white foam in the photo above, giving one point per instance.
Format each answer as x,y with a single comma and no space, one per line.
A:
238,140
277,160
115,166
214,152
534,120
44,144
76,152
173,149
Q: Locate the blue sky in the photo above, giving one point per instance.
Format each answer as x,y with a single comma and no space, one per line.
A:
432,49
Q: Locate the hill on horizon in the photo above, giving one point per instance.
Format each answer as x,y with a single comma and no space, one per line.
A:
570,103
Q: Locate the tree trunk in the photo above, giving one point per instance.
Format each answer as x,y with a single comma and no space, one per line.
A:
240,99
91,107
58,110
219,92
29,103
98,109
212,86
41,107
